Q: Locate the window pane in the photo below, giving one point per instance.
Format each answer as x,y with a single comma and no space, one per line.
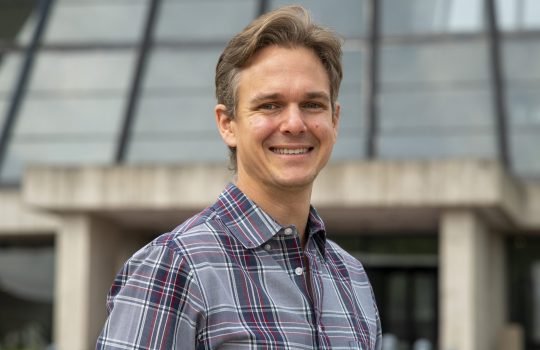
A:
518,14
173,115
63,130
26,296
350,143
524,109
10,66
431,16
521,59
175,119
76,21
4,103
99,71
199,20
75,116
72,112
190,148
347,18
191,69
67,150
17,20
436,101
453,62
432,145
449,110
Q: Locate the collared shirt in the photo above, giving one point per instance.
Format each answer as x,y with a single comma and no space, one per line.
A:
232,278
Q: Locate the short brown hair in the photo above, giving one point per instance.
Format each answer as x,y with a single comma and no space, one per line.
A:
289,26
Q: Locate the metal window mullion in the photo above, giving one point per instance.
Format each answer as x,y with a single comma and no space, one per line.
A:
498,85
372,83
136,85
263,7
24,77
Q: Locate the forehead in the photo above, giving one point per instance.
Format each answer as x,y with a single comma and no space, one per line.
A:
278,68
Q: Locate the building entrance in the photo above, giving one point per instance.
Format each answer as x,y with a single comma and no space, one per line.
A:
403,270
407,299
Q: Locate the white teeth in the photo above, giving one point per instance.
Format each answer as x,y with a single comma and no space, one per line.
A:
290,151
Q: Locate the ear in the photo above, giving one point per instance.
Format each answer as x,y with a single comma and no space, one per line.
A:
335,118
226,125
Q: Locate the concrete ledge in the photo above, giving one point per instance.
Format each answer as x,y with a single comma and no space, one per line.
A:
355,185
123,187
417,183
16,218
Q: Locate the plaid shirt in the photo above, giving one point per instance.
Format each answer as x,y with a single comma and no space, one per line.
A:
232,278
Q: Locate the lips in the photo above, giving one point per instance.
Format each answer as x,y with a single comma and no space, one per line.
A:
291,151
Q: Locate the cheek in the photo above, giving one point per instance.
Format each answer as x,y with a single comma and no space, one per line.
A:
323,129
260,127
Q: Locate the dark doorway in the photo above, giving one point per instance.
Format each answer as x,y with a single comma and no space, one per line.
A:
407,298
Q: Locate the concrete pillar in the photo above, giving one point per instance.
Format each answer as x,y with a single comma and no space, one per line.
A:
86,262
472,283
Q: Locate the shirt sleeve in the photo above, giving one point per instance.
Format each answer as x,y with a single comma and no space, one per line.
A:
154,303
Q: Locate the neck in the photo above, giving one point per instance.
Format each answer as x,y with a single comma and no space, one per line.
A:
288,206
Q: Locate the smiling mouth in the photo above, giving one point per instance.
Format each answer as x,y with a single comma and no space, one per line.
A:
291,151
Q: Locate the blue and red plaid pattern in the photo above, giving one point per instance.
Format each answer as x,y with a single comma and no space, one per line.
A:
232,278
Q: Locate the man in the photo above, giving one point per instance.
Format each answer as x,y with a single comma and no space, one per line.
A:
255,270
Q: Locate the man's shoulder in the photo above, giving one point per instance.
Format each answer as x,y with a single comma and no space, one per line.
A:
201,229
344,259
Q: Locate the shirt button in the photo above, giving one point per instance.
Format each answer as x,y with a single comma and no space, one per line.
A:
288,231
299,271
268,247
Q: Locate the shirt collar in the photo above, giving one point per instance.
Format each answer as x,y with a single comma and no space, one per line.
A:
250,225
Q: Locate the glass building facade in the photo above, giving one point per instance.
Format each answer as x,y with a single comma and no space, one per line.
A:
131,81
102,82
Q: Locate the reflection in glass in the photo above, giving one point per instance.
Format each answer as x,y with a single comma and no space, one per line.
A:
76,21
347,18
187,69
522,73
81,71
431,16
175,119
204,20
72,111
520,58
192,148
449,62
68,150
436,101
10,66
26,296
515,15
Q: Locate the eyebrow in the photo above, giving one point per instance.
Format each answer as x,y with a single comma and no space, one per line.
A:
276,96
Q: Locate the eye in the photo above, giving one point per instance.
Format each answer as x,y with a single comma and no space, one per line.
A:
313,105
268,106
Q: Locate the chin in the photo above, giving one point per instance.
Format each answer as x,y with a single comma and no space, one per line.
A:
297,182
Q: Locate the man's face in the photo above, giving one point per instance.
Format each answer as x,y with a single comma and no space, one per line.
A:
284,129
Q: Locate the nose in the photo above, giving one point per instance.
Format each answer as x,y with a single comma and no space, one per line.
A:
293,121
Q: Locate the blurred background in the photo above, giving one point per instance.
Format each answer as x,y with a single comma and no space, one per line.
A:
106,111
